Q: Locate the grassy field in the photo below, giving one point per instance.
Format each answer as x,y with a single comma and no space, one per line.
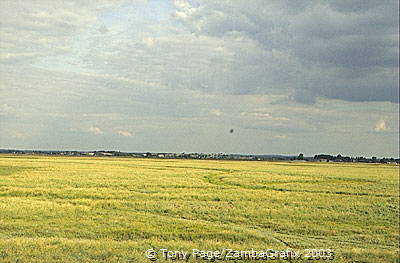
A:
75,209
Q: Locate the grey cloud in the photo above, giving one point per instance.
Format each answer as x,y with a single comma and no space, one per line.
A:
305,50
358,5
326,37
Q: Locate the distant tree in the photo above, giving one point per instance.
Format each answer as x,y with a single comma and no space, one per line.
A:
300,157
346,159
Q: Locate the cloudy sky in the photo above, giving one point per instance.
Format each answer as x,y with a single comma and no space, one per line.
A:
158,75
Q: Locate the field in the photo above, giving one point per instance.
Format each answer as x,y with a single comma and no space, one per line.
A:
76,209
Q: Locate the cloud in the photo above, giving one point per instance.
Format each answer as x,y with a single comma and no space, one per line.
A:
216,112
124,133
95,130
20,135
280,137
344,50
148,41
262,115
44,27
381,126
6,110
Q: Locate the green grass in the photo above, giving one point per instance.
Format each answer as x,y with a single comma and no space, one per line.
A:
75,209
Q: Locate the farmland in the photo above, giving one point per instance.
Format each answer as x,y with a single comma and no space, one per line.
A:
78,209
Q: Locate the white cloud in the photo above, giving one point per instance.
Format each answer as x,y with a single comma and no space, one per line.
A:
148,41
381,126
280,137
6,109
95,130
124,133
216,112
44,28
19,135
263,116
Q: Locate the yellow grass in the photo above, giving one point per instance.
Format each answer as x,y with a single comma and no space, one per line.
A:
76,209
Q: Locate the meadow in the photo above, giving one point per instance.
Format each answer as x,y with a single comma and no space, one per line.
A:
89,209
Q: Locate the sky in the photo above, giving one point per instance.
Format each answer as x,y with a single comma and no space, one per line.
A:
313,76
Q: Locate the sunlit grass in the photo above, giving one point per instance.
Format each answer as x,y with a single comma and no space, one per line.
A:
75,209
